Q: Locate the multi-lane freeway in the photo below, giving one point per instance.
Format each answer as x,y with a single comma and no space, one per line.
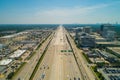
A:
25,72
61,61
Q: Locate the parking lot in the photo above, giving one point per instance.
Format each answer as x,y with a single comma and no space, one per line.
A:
111,73
114,77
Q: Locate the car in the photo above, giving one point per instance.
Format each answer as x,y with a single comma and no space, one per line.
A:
78,78
74,78
44,67
42,76
19,79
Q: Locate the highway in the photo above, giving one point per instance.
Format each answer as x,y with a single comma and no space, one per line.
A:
62,60
25,72
58,63
84,68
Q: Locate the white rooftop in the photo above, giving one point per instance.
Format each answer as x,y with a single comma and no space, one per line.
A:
13,35
5,61
17,53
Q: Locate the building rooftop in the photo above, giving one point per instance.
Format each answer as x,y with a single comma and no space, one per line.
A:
2,68
1,46
115,49
98,60
113,42
97,36
13,35
17,53
5,62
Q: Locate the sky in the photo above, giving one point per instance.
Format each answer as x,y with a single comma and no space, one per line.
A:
59,11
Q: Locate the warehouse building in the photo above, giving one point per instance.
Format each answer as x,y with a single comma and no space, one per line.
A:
17,54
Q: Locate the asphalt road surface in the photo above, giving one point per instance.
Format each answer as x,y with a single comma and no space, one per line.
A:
27,69
58,62
84,66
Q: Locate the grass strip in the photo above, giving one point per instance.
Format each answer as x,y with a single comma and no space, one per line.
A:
86,57
98,75
33,53
39,61
75,57
19,69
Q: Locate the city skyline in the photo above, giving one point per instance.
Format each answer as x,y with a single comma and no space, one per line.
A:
59,12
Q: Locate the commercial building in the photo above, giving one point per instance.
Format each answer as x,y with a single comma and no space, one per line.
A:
110,73
87,29
114,50
17,53
86,40
105,27
11,37
2,46
109,44
110,35
107,31
98,37
5,62
109,57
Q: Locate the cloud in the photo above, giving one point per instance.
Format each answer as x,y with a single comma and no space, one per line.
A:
65,12
76,14
61,15
67,15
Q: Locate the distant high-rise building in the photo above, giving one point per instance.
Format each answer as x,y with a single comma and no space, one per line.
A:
107,31
101,27
87,29
86,40
110,36
116,23
105,27
78,30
